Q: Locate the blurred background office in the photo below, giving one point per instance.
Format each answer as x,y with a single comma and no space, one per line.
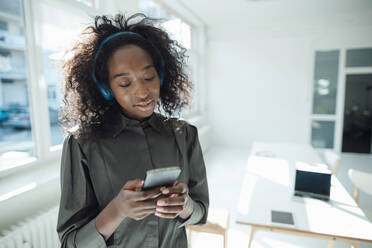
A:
284,71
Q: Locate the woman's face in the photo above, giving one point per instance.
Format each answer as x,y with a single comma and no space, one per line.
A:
134,81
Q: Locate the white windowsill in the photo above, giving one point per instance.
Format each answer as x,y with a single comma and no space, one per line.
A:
23,178
18,167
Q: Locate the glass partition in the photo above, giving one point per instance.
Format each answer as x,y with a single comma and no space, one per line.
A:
322,134
359,57
325,82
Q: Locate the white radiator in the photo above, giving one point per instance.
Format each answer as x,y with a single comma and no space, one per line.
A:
36,232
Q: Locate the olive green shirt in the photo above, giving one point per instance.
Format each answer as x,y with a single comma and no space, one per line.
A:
93,171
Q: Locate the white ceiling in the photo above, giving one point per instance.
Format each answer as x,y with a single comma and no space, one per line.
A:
261,13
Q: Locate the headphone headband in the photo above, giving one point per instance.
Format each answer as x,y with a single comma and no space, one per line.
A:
103,88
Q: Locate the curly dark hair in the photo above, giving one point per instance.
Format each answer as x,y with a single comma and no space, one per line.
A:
84,109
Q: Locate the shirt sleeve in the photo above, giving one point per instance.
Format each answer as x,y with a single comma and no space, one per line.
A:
198,185
78,204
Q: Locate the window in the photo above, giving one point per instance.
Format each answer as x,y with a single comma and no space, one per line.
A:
90,3
322,134
3,25
16,141
57,31
30,76
361,57
341,110
11,8
325,82
324,98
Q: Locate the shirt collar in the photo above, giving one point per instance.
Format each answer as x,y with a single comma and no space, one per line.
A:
125,122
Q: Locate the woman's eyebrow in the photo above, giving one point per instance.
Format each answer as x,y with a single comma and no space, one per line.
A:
120,75
147,67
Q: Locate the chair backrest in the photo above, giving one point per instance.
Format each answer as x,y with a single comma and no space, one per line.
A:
362,180
333,160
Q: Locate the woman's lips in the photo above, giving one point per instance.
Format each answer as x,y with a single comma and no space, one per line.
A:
146,106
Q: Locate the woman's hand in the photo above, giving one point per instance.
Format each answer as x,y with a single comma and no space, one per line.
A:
174,202
133,203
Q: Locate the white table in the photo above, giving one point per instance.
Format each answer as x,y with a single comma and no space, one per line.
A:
269,185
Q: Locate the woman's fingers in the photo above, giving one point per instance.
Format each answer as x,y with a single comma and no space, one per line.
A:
149,204
173,206
170,210
133,184
142,203
171,201
145,194
177,188
165,215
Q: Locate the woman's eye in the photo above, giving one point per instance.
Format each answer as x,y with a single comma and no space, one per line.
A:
124,85
150,78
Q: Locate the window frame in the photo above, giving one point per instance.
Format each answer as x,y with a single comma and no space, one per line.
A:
343,72
37,86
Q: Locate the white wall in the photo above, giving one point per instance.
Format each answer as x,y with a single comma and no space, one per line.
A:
112,7
258,90
260,80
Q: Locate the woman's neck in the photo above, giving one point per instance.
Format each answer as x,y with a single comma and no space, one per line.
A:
132,118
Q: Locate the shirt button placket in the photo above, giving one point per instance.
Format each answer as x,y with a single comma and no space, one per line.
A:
152,237
152,225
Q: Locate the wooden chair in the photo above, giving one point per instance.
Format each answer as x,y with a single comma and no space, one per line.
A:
361,180
333,160
217,223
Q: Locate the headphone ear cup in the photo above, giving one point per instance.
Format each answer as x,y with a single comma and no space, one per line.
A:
107,92
161,71
103,88
161,77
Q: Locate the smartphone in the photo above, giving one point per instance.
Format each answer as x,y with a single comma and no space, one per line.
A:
161,177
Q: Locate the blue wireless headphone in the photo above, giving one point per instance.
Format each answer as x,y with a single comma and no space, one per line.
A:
104,88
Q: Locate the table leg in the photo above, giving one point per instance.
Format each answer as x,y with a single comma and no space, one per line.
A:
225,240
189,239
253,230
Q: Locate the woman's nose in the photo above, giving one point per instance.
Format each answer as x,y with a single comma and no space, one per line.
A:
142,90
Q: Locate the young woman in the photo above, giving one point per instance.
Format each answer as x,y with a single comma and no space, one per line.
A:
120,70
